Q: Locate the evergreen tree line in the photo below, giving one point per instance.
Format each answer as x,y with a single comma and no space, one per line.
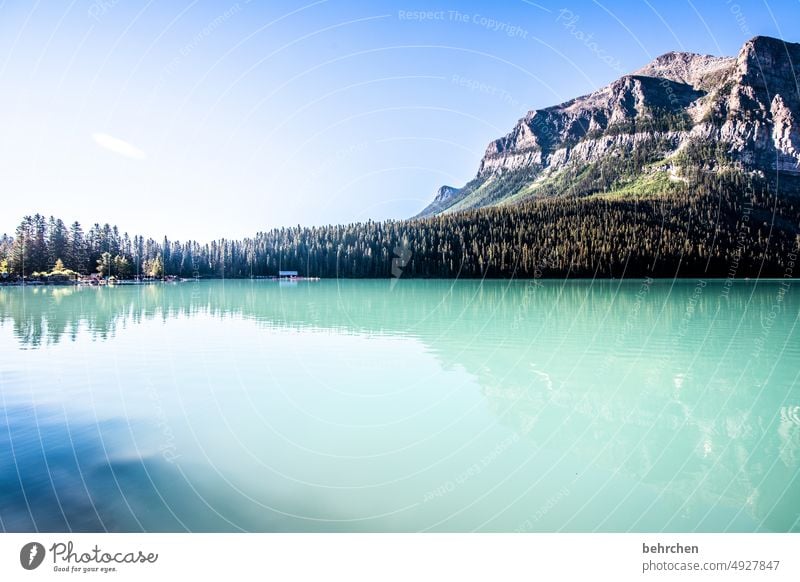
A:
723,225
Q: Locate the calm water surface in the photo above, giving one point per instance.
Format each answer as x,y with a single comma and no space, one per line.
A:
405,406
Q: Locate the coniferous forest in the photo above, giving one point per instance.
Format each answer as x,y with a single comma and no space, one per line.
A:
723,225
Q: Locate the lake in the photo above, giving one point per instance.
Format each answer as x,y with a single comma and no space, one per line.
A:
402,405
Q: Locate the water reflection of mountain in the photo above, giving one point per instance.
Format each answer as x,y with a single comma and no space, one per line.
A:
680,388
743,454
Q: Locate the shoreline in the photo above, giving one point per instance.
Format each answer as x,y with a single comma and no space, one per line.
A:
633,279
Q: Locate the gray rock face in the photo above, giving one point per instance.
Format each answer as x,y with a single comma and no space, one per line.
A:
444,198
749,103
701,71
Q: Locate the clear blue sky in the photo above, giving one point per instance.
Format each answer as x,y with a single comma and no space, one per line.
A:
211,119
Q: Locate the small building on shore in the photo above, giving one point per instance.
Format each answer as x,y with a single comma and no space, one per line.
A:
287,274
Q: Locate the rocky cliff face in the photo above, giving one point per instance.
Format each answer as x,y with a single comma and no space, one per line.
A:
443,199
748,106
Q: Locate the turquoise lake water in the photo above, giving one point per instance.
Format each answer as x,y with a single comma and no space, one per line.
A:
401,405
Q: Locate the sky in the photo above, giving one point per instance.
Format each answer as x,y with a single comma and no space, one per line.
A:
205,120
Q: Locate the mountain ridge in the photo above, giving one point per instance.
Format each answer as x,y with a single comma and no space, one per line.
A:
748,104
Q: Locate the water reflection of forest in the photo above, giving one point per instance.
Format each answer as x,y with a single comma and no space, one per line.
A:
42,315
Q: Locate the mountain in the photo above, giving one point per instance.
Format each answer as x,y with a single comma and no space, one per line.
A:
652,132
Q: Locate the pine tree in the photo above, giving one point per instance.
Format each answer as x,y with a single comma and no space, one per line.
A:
77,257
57,240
